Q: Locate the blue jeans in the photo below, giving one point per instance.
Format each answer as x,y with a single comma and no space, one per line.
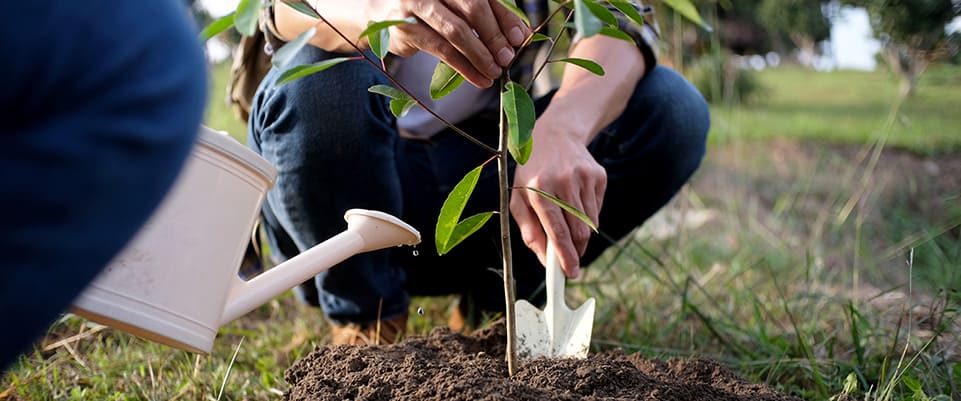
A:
101,104
336,147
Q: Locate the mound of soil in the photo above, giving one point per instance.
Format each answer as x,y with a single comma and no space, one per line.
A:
450,366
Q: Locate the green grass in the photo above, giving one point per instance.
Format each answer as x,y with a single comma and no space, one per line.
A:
219,115
784,282
848,107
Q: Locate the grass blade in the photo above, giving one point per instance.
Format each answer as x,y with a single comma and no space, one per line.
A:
229,368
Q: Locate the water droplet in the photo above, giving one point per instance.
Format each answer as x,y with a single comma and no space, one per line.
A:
420,311
416,252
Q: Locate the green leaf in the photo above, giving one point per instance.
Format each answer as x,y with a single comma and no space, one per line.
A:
303,70
444,81
917,391
400,102
850,383
215,28
388,91
452,209
566,206
616,34
687,9
627,8
303,8
375,26
287,52
379,36
510,5
584,20
601,12
245,18
379,42
583,63
400,107
519,109
539,37
465,228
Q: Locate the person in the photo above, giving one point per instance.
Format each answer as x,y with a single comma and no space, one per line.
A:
102,103
617,146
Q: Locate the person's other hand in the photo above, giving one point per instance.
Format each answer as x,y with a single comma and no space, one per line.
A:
561,165
474,37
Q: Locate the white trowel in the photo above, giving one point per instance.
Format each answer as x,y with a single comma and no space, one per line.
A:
557,331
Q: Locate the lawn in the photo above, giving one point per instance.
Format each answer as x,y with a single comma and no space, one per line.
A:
849,107
806,254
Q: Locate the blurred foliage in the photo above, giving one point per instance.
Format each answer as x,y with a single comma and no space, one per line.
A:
918,23
803,21
912,33
721,81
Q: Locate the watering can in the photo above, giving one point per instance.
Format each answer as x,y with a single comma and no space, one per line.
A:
177,281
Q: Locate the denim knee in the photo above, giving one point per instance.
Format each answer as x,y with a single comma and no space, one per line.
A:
680,114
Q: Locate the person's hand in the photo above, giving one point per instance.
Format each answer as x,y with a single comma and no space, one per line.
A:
561,165
474,37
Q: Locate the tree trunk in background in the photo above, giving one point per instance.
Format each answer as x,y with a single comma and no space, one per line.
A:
807,48
909,63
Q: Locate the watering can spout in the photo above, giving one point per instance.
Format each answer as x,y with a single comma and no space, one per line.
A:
367,230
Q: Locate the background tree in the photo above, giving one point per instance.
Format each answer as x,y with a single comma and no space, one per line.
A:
912,33
802,21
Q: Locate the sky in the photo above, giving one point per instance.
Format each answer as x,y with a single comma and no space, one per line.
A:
852,45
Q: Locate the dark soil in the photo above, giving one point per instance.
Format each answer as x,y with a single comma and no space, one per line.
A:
449,366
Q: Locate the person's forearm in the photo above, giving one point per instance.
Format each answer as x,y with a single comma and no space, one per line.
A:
350,18
586,102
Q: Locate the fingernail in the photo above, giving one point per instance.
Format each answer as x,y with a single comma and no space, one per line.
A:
494,71
516,36
486,83
504,56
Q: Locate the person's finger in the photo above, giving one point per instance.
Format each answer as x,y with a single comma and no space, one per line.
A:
482,20
422,37
600,188
557,230
510,24
461,36
531,231
580,230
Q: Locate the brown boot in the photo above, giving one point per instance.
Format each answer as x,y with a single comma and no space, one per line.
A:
464,318
391,331
457,322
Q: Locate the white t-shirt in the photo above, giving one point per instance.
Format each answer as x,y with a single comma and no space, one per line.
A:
414,73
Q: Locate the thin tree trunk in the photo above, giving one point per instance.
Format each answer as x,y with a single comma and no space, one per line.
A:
909,64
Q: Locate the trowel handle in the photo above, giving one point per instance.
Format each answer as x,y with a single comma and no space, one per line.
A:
555,280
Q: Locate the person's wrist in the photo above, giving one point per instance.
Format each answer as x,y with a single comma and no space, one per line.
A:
562,120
